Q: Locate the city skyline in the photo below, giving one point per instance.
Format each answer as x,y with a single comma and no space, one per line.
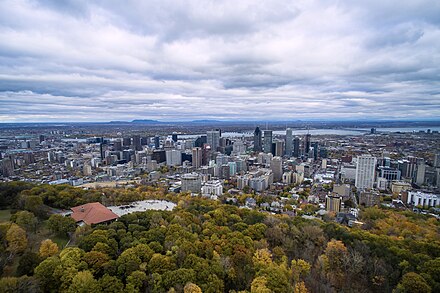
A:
182,61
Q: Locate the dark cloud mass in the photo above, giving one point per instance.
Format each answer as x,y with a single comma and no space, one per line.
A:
184,60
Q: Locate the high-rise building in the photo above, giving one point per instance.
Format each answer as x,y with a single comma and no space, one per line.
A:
136,142
29,158
117,145
408,166
296,147
257,140
212,189
279,148
420,175
156,142
7,167
102,150
276,165
213,139
315,146
126,141
232,168
333,203
174,136
267,141
238,147
173,157
307,143
369,198
159,156
365,171
289,142
191,182
197,156
200,141
437,160
206,154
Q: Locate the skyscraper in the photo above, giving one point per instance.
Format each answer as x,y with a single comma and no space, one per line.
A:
296,149
279,148
126,141
277,168
307,143
117,145
213,139
7,167
257,140
289,142
267,141
102,150
197,155
365,171
136,142
437,160
315,146
157,142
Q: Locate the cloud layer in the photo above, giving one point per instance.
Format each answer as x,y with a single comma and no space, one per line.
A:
185,60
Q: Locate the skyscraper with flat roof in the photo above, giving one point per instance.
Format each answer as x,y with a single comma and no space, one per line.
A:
276,165
307,143
296,148
136,142
257,140
197,155
267,141
213,139
289,142
365,171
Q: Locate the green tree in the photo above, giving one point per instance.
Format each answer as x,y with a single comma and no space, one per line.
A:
413,282
23,284
26,220
34,204
96,260
137,280
17,240
110,284
61,225
84,282
27,263
300,268
45,273
259,285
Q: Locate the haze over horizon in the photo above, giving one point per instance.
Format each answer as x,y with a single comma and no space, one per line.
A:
238,60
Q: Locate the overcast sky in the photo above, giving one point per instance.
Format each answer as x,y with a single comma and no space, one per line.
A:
184,60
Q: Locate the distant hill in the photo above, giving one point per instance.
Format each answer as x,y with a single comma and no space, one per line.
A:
206,121
145,121
118,122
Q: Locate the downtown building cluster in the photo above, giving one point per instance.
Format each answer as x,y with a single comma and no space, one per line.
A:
337,174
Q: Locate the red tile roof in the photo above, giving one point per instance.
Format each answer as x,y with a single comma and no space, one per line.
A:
92,213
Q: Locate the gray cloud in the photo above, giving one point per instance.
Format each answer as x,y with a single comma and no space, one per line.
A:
172,60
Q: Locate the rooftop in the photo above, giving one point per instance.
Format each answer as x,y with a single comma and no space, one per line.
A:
93,213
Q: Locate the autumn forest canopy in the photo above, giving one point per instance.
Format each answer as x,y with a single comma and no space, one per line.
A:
206,246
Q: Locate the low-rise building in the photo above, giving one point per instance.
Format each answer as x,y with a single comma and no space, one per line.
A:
423,199
212,189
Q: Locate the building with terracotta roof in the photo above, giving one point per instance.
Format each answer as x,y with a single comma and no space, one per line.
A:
92,213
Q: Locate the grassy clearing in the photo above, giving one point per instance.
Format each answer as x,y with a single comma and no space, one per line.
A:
60,240
5,215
